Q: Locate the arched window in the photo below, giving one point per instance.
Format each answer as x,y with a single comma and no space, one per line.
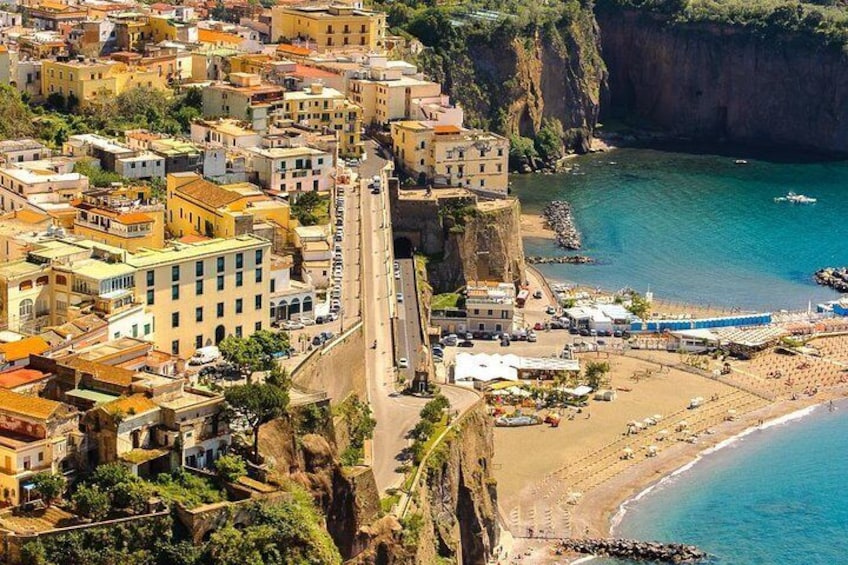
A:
41,281
60,279
307,304
25,285
25,309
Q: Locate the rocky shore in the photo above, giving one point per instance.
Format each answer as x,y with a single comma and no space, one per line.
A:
835,278
566,259
636,550
558,217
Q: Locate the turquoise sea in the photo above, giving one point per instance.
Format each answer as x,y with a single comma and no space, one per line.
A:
776,496
697,227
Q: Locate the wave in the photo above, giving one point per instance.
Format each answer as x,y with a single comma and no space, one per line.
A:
624,506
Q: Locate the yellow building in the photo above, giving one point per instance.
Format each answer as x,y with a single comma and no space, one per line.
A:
36,435
330,27
199,207
90,81
385,100
452,156
319,106
196,294
130,230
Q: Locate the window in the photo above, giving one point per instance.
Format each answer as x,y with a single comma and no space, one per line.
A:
175,319
489,313
258,256
198,288
198,314
198,268
258,301
239,260
146,329
175,292
175,347
175,273
273,285
198,341
151,278
257,326
220,310
482,168
25,309
239,278
220,282
238,331
259,275
239,305
60,279
220,263
149,297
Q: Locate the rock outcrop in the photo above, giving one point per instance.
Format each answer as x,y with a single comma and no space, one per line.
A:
511,81
713,81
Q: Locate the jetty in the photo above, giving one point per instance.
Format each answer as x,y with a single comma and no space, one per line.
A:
558,217
835,278
635,550
565,259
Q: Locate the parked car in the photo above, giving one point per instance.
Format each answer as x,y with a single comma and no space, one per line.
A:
205,355
465,343
584,332
293,325
557,325
537,294
550,310
318,340
307,321
397,275
469,335
616,333
505,342
399,297
403,363
538,326
531,337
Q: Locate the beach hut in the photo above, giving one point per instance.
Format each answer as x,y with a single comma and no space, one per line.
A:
627,453
652,451
662,435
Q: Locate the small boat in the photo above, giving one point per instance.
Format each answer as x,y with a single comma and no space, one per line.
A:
740,162
794,198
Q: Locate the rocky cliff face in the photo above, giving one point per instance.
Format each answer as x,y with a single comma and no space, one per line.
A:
511,81
712,82
483,245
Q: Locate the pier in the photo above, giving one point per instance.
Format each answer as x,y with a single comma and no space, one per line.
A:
835,278
558,217
565,259
635,550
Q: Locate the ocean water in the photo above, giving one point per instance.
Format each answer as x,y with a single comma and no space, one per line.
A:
776,496
697,227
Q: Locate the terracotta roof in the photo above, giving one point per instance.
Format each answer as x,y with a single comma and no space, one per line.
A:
101,372
30,216
293,49
208,193
129,405
445,129
193,238
312,72
16,377
160,6
25,405
134,218
212,36
22,349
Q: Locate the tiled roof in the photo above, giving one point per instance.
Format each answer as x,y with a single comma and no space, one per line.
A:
212,36
30,216
129,405
209,194
17,350
103,373
24,405
293,49
134,218
15,377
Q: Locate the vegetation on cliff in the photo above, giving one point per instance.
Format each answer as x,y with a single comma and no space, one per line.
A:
821,22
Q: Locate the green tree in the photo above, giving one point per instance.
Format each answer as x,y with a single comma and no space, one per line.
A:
16,119
230,467
595,373
244,354
549,140
107,475
96,176
130,495
639,306
256,404
434,409
49,486
91,502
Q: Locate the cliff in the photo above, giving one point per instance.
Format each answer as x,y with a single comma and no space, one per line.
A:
718,81
511,79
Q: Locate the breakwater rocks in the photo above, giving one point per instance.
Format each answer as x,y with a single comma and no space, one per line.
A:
837,279
636,550
569,259
558,217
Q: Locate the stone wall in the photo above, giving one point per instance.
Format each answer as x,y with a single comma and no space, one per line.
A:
336,368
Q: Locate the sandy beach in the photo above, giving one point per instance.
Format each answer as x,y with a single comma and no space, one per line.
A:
533,225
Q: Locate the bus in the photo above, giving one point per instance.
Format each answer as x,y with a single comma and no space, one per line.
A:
522,297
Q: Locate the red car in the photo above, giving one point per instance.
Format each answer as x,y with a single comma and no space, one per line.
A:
538,326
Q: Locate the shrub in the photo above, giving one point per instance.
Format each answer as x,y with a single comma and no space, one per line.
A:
230,468
92,502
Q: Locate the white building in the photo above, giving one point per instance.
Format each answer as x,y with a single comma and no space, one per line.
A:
291,169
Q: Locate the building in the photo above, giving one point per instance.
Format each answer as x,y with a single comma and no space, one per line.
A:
490,306
320,107
245,98
313,243
226,132
390,90
199,207
289,298
196,294
15,227
82,81
30,188
36,435
179,156
20,150
329,27
447,155
291,169
116,157
130,227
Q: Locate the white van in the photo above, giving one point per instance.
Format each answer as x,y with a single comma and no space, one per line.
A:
205,355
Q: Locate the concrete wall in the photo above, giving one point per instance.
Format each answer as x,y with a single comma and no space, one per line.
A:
336,368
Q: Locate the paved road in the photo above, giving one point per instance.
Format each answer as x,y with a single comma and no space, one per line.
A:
408,325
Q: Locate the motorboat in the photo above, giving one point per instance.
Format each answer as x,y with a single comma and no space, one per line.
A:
740,162
794,198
